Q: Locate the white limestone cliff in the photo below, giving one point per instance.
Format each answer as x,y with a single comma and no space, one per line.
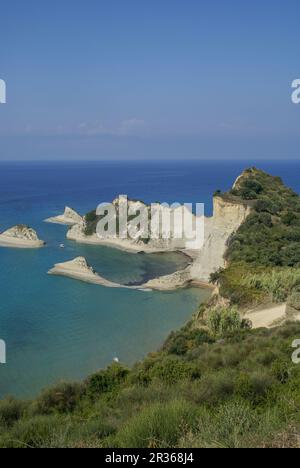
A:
226,220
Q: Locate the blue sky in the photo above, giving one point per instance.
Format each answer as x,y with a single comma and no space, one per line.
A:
120,79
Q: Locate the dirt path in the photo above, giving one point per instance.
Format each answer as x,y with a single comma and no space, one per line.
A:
267,317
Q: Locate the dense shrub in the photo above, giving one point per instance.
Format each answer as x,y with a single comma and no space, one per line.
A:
160,425
11,410
168,369
36,432
212,388
181,342
222,320
61,399
106,381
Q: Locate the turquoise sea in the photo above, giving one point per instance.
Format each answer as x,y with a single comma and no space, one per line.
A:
61,329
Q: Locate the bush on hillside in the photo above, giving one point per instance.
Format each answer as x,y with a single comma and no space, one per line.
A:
106,380
223,320
60,399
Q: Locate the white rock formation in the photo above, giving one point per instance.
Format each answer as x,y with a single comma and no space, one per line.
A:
21,236
226,220
228,215
79,269
69,218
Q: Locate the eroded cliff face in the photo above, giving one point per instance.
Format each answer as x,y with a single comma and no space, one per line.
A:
226,220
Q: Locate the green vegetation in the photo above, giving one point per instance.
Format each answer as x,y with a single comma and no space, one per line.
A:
244,284
238,391
223,320
271,234
91,221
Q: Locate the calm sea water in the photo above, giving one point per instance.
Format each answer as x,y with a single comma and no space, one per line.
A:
60,329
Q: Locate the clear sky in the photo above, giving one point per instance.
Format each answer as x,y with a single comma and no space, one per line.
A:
117,79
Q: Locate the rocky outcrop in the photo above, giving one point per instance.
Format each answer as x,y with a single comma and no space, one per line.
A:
69,218
177,280
20,236
226,220
79,269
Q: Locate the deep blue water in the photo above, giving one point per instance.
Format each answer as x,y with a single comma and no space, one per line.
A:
60,329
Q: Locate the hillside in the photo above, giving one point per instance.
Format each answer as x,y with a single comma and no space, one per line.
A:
242,391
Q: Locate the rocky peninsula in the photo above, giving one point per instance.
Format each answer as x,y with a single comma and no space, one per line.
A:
22,237
79,269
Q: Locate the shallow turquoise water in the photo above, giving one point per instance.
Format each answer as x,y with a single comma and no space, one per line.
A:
57,328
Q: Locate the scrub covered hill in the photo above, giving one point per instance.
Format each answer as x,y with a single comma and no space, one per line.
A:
235,389
271,235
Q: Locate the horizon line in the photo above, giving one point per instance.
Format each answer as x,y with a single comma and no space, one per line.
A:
156,160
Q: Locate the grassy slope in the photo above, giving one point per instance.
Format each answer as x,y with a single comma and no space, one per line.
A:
241,392
215,383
